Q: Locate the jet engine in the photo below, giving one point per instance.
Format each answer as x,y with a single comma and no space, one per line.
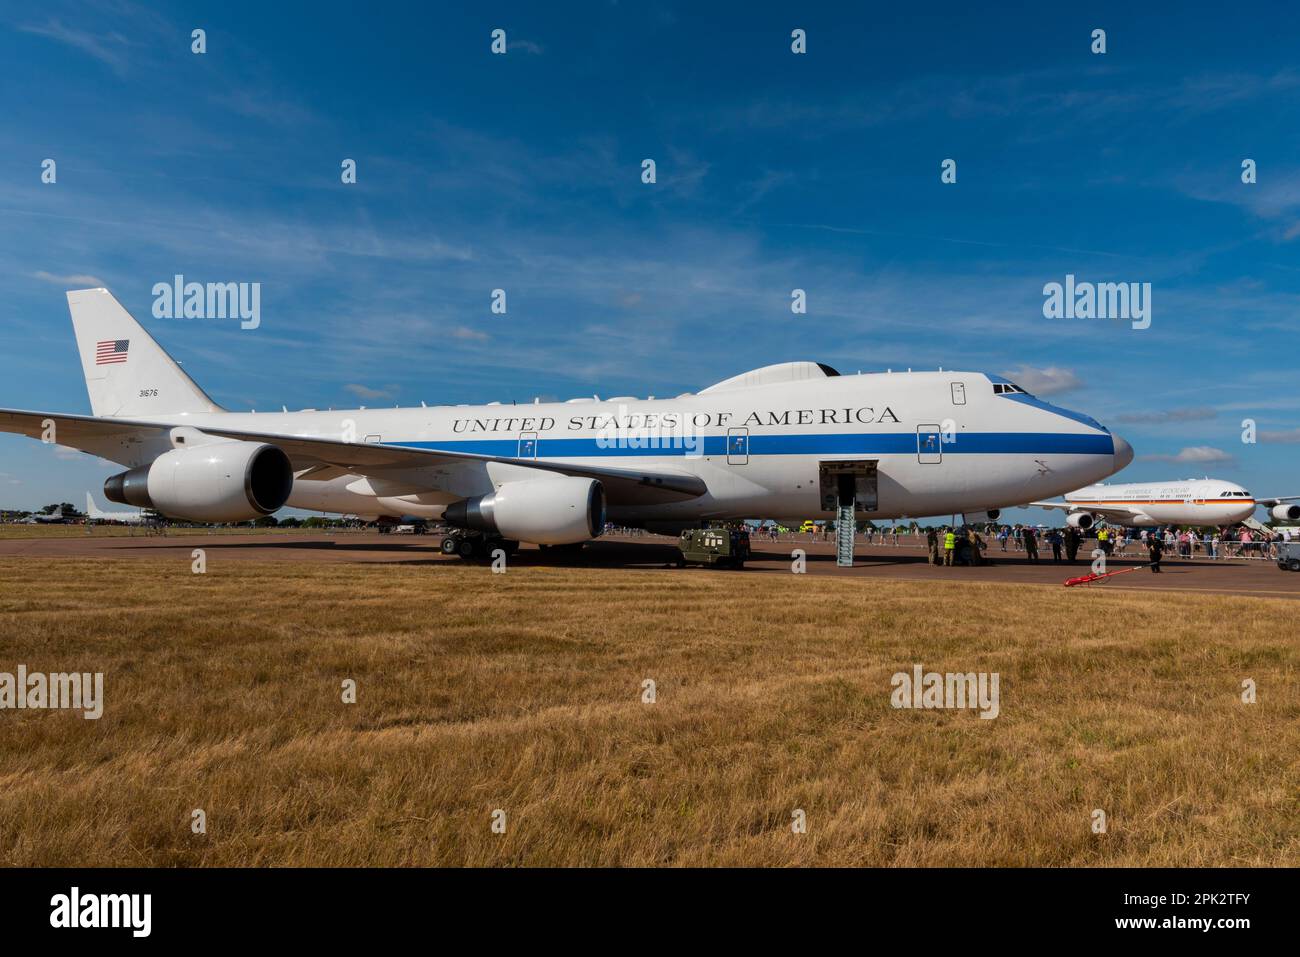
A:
981,518
1083,520
563,510
1285,513
218,482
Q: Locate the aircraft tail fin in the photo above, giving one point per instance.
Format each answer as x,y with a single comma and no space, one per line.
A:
127,372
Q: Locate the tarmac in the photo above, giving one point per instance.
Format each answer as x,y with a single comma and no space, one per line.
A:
904,562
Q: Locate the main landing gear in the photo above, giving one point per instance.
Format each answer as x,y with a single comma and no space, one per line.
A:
471,545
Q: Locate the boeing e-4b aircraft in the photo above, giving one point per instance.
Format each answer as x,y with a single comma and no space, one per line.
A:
785,441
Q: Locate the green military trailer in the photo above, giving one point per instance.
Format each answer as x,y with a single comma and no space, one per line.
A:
1288,556
723,547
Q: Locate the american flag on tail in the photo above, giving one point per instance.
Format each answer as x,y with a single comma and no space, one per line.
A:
110,351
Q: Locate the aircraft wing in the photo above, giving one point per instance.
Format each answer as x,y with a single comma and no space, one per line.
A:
1270,502
1107,511
69,429
307,452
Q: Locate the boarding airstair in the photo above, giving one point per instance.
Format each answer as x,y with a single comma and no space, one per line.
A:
845,526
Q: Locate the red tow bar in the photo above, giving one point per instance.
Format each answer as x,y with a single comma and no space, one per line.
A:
1089,579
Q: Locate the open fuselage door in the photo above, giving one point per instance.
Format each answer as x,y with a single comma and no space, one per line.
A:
847,487
848,482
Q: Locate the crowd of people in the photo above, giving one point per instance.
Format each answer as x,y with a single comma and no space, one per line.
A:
1224,542
968,545
964,545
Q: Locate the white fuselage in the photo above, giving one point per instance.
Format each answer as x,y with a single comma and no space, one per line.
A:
938,443
1193,502
95,514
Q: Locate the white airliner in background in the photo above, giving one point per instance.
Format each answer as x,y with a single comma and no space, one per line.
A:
1204,501
55,517
784,442
93,514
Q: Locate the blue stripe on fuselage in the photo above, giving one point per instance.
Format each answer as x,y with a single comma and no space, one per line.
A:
878,443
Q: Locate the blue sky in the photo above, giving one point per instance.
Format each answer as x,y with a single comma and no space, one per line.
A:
775,171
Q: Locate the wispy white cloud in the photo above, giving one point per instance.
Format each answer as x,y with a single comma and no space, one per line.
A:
1086,96
1051,380
1166,415
1274,198
108,48
256,103
465,333
1194,455
369,394
73,280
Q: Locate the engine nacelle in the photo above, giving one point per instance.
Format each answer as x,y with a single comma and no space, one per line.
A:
563,510
1285,513
1083,520
981,518
219,482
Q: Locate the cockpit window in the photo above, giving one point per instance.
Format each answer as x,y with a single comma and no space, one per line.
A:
1000,388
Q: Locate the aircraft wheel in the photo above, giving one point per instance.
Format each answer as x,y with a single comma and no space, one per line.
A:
1294,565
466,548
448,546
489,545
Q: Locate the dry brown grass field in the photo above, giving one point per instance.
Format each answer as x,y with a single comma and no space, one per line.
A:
523,692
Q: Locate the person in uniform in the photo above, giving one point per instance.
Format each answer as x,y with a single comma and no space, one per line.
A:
1072,538
1054,538
1031,544
932,544
1155,549
949,546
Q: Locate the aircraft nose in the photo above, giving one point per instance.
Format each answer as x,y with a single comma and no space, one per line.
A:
1123,452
